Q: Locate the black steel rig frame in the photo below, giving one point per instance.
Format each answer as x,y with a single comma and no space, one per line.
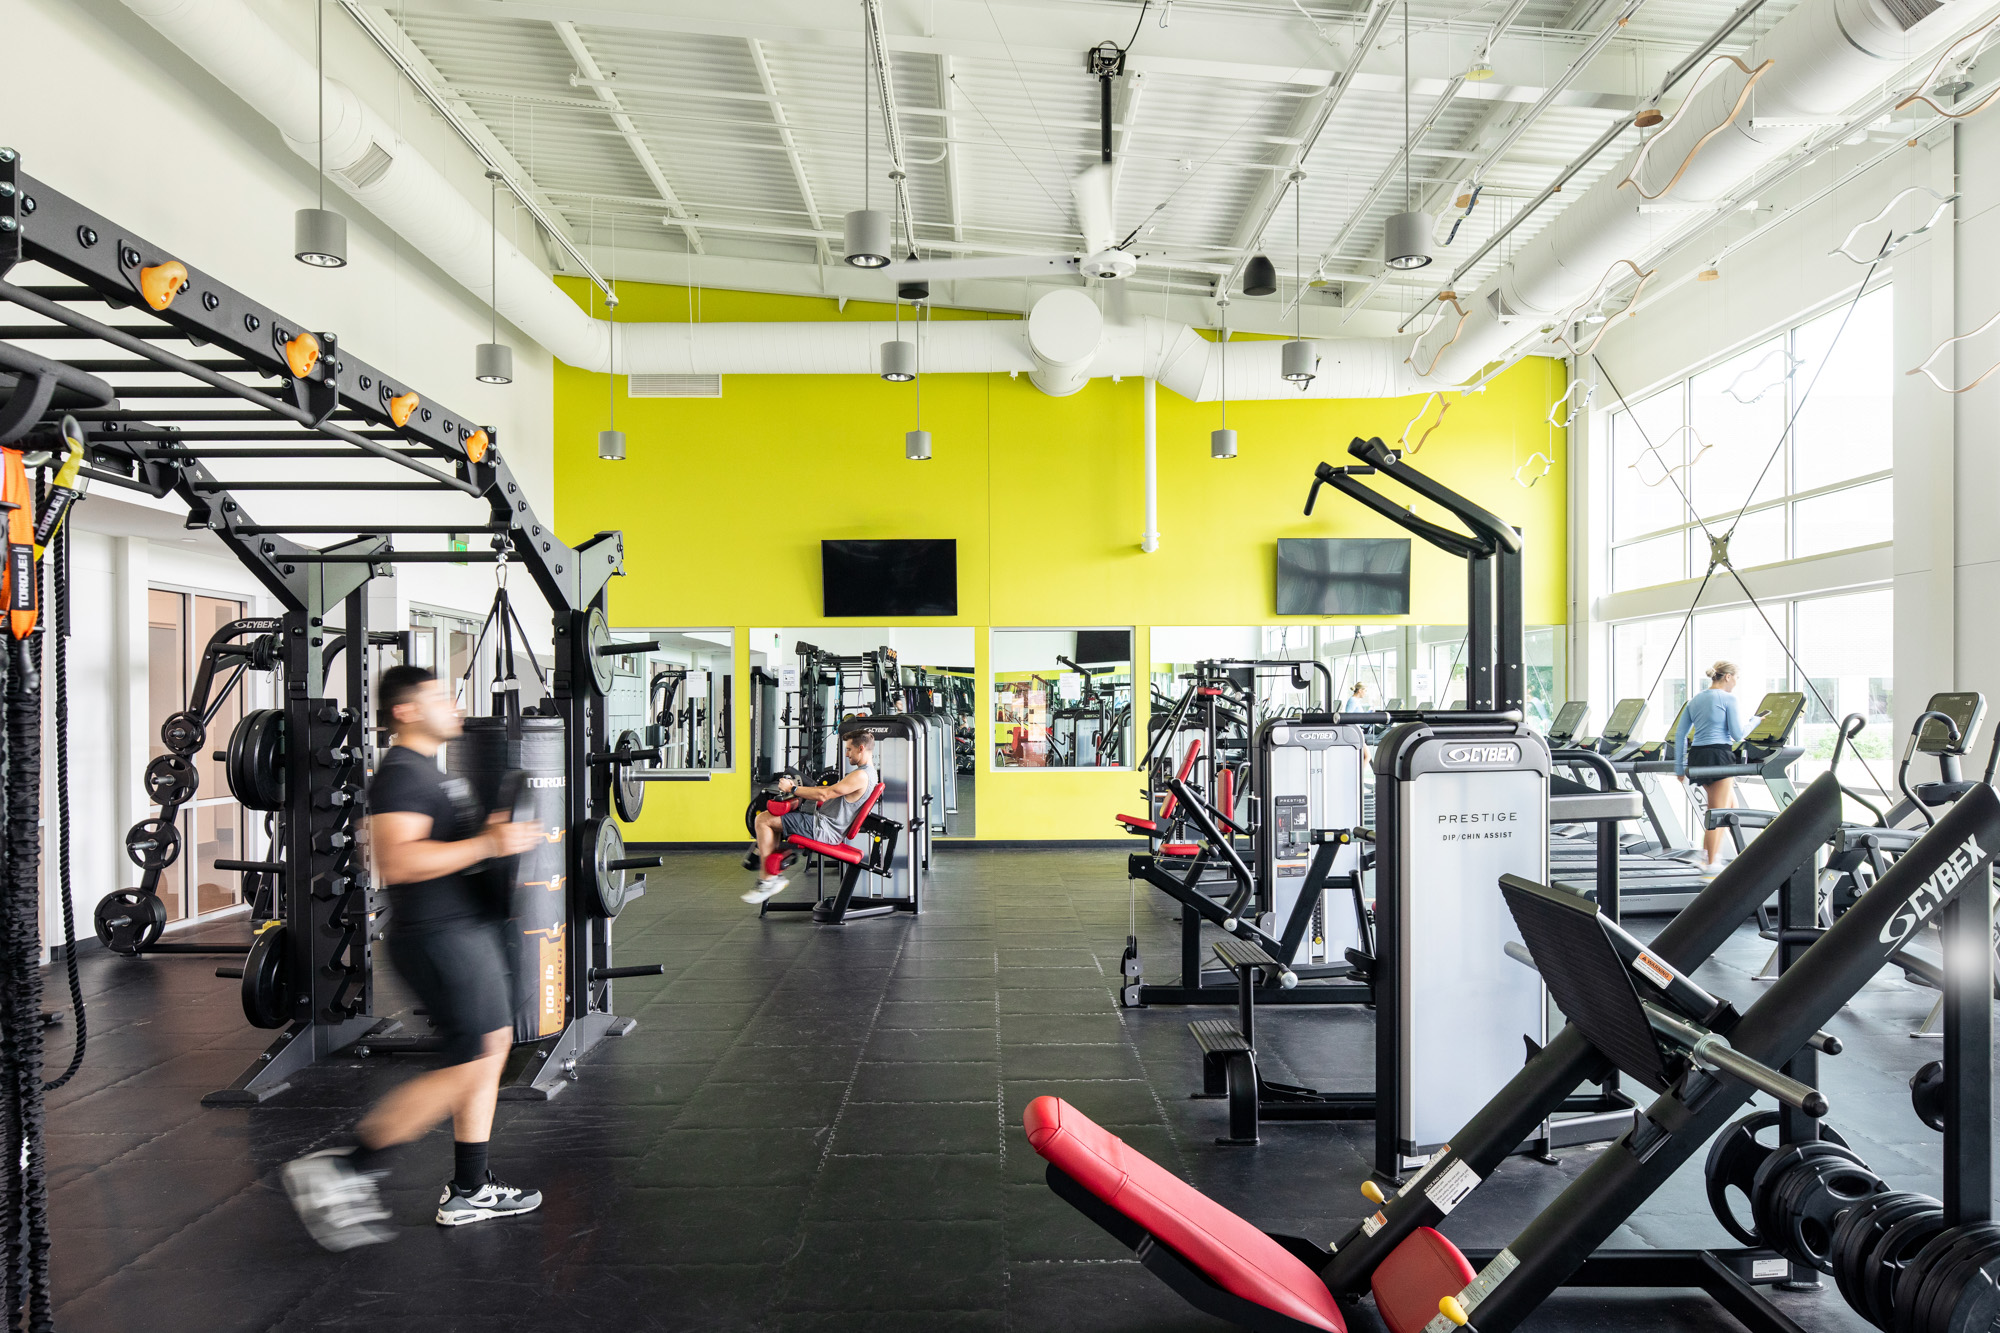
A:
328,404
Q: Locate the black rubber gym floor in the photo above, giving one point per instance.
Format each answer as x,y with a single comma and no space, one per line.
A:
813,1128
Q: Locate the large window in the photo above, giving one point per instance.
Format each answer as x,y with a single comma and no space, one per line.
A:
1714,445
1842,643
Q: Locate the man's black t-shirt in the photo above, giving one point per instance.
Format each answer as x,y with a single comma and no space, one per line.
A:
408,782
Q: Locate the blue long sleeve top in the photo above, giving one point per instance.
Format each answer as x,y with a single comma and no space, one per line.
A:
1710,718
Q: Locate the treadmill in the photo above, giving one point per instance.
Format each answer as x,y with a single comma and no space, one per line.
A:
1649,881
1765,756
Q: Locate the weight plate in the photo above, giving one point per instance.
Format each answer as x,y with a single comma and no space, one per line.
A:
628,793
1887,1259
153,844
1822,1190
183,733
171,779
1771,1178
255,763
1927,1094
129,919
1861,1230
1967,1242
1911,1288
596,635
267,991
609,887
1733,1160
1974,1306
1948,1281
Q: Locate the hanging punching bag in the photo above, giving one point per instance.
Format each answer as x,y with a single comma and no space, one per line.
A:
532,895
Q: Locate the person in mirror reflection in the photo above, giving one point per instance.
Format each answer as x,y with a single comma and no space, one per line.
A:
427,835
1357,699
1710,728
838,803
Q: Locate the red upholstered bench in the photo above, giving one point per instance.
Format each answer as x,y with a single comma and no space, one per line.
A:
1214,1258
1408,1284
841,851
1140,824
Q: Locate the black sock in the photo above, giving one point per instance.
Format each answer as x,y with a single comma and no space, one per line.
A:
470,1172
370,1161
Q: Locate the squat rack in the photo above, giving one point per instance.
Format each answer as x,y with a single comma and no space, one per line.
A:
326,404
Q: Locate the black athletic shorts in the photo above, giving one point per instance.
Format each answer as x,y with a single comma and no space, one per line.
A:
460,974
1711,756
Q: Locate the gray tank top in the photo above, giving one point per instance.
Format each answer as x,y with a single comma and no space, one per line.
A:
841,813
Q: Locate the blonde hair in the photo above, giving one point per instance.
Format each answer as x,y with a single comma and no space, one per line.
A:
1720,671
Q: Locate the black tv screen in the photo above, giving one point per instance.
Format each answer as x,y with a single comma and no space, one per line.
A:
1343,576
889,578
1103,645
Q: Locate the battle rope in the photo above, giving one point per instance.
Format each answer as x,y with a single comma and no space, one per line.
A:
26,1224
61,612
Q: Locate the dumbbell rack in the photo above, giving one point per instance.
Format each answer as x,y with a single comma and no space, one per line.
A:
157,430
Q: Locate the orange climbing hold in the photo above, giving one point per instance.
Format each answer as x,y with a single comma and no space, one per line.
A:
161,283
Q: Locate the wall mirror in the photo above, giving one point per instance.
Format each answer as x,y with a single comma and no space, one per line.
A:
679,695
1062,698
806,680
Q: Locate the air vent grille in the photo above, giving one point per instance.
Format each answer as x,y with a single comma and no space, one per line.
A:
673,386
1909,13
373,165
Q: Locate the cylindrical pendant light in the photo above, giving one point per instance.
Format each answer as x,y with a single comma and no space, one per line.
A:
1406,237
1299,361
916,443
917,446
899,358
866,239
611,441
493,361
1222,442
866,243
319,237
899,361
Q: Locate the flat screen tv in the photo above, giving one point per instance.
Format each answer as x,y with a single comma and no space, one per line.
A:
889,578
1094,646
1343,576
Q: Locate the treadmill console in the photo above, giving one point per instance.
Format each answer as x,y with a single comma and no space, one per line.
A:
1964,709
1781,711
1662,748
1568,721
1623,723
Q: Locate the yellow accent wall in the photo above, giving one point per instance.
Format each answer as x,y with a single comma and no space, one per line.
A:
724,502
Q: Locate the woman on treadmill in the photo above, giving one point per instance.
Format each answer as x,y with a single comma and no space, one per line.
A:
1709,729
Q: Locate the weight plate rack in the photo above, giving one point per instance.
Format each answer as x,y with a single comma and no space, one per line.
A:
180,385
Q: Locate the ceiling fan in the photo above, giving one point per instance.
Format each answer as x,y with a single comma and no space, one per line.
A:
1103,255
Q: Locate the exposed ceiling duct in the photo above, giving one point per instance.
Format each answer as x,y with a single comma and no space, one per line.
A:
1826,55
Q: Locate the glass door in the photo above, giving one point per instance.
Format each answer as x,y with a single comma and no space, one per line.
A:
213,826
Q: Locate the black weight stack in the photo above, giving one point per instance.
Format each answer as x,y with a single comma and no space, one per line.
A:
537,913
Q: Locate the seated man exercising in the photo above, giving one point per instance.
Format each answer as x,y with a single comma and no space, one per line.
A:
838,804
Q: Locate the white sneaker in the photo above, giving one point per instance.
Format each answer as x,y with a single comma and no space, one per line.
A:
341,1207
769,887
493,1199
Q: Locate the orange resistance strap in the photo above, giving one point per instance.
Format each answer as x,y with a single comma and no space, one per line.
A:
19,584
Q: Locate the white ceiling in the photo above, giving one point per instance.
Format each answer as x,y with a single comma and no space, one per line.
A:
654,129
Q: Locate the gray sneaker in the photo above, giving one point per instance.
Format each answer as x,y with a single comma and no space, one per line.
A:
341,1207
769,887
493,1199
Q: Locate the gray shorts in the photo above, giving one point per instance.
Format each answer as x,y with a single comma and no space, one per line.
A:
810,824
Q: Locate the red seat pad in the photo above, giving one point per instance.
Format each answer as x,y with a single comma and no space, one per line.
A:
1417,1274
1133,821
1233,1254
839,851
1181,848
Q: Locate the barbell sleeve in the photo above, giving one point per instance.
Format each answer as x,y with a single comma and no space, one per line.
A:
635,863
252,867
636,970
619,649
1710,1051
